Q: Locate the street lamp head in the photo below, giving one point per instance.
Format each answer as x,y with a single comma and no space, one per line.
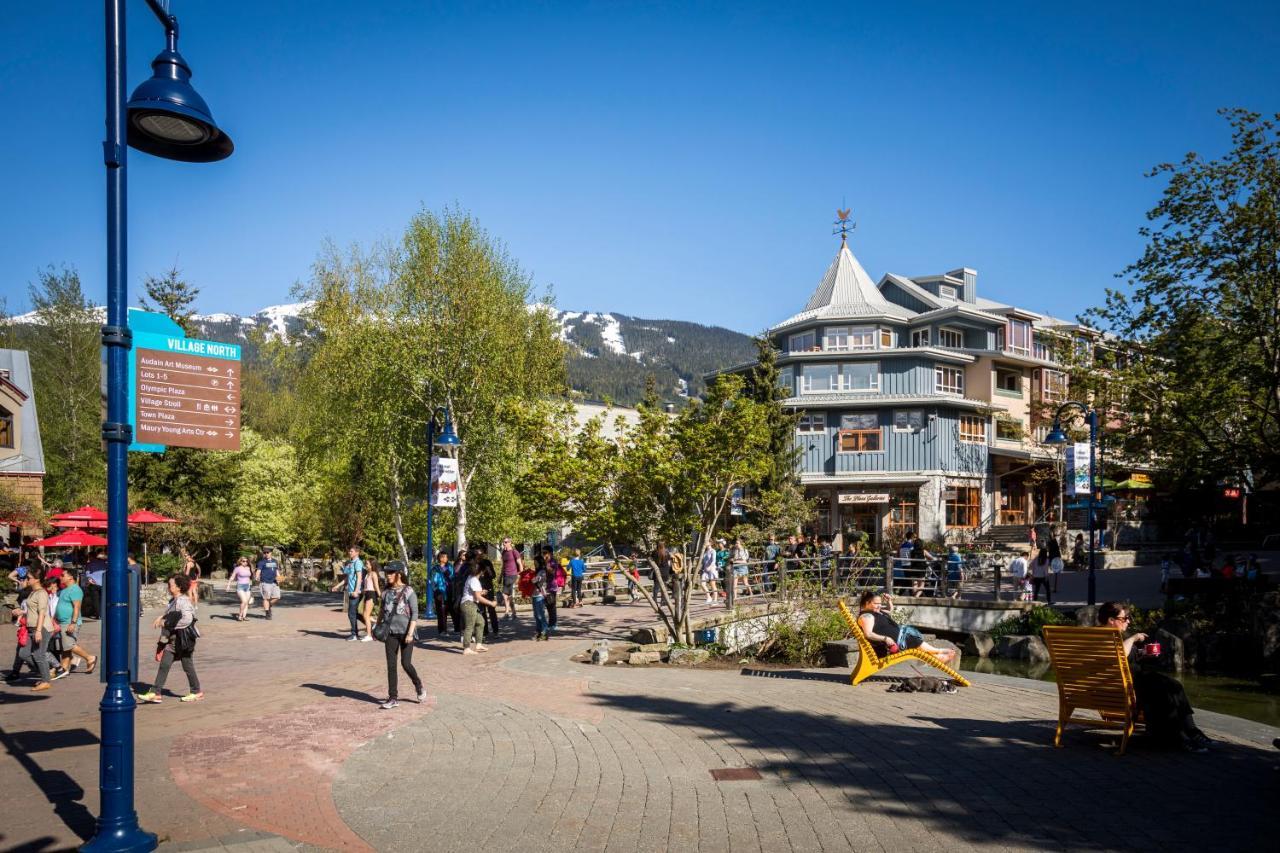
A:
447,437
169,119
1056,435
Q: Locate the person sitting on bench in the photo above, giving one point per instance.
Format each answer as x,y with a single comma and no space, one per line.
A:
887,636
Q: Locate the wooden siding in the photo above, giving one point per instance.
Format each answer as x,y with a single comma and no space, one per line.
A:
937,446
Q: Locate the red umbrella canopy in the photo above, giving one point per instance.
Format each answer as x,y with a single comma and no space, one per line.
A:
70,539
146,516
86,516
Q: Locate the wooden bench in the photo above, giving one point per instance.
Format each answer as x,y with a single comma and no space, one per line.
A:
1093,675
869,663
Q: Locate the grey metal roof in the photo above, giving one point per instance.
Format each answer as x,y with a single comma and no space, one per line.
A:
846,292
31,459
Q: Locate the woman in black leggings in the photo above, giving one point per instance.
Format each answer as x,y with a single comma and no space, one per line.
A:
400,617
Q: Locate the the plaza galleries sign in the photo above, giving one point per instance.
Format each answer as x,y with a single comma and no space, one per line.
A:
862,498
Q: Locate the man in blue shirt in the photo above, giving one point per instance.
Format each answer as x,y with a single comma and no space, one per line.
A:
93,575
578,571
268,572
353,574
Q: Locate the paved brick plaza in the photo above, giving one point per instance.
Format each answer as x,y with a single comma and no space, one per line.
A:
523,749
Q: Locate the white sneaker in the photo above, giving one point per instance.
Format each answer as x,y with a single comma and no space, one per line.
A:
482,648
366,639
468,651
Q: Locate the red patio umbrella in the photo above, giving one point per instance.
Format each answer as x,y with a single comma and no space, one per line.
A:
146,516
70,539
87,517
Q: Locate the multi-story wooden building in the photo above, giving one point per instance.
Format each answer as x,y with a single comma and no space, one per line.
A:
21,454
921,404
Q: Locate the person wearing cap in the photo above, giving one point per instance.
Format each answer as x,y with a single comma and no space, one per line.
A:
399,616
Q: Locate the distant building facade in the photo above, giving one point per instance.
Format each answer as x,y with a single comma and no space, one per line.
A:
922,406
21,453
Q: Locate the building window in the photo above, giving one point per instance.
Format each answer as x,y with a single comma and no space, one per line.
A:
1053,386
819,378
803,342
812,422
908,420
951,338
6,428
836,339
886,339
1018,337
860,376
920,338
787,380
902,514
1041,350
973,429
964,506
862,337
1084,349
860,433
1008,429
948,380
1009,380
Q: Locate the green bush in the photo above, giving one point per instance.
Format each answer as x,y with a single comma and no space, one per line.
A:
1028,623
802,643
165,565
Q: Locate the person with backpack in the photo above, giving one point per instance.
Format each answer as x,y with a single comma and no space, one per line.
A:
396,627
441,580
177,642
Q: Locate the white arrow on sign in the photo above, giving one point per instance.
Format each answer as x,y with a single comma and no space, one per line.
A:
231,396
230,372
228,409
229,422
229,434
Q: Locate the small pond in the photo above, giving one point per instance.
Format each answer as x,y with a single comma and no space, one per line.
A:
1237,696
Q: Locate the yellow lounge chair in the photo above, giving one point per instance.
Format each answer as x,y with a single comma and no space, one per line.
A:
869,663
1093,675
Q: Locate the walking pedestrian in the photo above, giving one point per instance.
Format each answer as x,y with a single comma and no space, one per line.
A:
69,614
191,569
538,594
738,558
177,642
399,620
242,578
473,598
577,572
352,575
954,565
555,583
708,574
441,579
512,566
1040,577
488,581
1055,560
35,652
370,590
268,577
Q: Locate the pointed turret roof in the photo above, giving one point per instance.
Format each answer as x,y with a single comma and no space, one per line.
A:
846,292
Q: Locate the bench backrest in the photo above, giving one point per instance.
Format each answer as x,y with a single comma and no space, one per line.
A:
1091,666
864,645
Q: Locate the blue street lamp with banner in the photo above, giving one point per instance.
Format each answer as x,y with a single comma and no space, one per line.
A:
165,117
447,439
1057,436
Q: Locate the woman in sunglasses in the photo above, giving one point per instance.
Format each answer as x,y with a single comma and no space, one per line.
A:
1165,708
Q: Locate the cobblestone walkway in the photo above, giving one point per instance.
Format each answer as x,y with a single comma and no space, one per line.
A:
522,748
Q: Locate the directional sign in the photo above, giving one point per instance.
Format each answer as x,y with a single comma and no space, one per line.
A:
183,392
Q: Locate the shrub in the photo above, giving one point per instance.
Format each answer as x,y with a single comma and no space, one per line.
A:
788,642
1029,622
165,565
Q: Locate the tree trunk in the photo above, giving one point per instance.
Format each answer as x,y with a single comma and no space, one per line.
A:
460,529
397,517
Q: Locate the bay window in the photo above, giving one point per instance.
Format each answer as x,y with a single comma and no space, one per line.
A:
973,429
803,342
836,338
1018,337
951,338
948,380
862,337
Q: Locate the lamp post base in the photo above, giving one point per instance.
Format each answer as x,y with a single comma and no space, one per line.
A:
125,837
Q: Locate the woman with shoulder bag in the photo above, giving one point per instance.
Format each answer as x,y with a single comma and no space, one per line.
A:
177,642
397,624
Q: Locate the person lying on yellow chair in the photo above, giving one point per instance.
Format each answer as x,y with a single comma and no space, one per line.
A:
887,636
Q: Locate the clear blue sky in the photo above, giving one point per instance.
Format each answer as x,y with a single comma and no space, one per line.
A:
651,159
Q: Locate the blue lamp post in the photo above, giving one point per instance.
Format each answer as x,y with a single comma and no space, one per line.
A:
447,438
165,117
1057,436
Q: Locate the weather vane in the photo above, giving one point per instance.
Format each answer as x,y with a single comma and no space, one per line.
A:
843,225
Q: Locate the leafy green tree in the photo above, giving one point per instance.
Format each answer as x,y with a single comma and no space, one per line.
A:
268,494
777,504
174,296
65,348
439,320
1200,386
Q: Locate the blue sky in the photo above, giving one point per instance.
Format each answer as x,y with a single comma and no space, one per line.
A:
661,160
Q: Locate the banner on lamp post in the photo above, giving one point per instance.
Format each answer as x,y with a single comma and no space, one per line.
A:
1078,469
735,502
444,481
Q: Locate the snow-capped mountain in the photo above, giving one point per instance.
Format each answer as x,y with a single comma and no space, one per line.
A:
610,355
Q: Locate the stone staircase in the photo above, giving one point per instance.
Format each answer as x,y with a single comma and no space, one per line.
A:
1003,536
